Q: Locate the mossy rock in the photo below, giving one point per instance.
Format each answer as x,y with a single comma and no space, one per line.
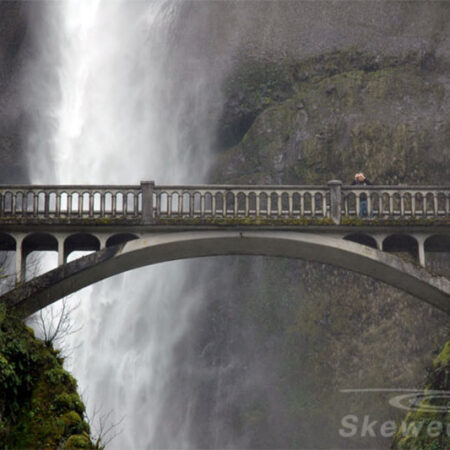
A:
347,112
425,415
78,441
39,404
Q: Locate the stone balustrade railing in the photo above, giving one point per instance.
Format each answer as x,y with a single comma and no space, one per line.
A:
397,201
60,201
149,203
242,201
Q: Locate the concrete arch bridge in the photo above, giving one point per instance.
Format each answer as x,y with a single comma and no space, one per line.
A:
359,228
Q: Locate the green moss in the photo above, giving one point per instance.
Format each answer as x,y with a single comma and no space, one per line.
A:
400,222
438,379
246,221
255,87
443,359
346,112
39,404
78,441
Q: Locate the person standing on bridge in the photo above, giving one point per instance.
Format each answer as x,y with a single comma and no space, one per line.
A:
360,179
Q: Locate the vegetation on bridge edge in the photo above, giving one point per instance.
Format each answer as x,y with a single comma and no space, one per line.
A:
226,221
303,221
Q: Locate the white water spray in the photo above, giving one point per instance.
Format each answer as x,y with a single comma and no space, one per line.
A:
131,106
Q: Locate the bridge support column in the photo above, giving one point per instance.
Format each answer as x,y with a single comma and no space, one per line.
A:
335,200
20,260
379,238
61,256
147,201
102,240
421,248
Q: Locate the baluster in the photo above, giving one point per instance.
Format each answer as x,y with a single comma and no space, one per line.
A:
91,204
113,203
103,204
69,204
369,204
213,204
180,203
191,204
202,204
24,204
35,204
169,204
124,204
136,204
80,204
46,203
158,204
13,203
224,204
290,204
324,204
58,204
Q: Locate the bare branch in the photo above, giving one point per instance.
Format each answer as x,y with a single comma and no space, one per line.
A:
102,428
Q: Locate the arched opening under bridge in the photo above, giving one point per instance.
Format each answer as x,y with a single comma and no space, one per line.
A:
161,247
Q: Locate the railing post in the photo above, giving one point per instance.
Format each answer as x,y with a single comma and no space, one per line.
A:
147,201
335,200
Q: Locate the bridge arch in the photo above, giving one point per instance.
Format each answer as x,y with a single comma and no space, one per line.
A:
80,242
437,243
7,242
161,247
120,238
361,238
39,242
403,243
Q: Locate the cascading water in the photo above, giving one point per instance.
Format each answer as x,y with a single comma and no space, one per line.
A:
132,104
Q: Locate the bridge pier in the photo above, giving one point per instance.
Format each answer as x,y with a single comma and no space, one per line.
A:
102,239
20,259
62,257
420,238
379,238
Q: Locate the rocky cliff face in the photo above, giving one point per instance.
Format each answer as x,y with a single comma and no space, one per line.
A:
280,339
329,116
13,27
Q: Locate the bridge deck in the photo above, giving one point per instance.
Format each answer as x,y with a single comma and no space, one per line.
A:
148,203
67,218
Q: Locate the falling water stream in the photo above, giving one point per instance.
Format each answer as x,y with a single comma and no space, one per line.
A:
125,102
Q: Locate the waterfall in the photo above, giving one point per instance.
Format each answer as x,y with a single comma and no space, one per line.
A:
118,95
